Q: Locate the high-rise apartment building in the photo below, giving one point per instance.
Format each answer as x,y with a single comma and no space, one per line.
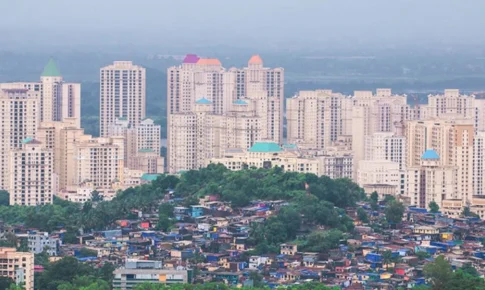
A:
141,143
58,99
386,146
122,94
479,163
255,79
19,266
61,138
19,118
451,104
205,79
379,112
453,143
32,179
315,119
430,180
99,161
201,135
381,172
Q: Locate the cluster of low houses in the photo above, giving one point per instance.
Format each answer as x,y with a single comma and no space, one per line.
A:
209,242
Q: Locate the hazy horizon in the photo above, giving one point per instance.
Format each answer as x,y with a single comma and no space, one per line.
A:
271,24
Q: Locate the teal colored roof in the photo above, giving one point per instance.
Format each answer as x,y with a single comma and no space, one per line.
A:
51,70
122,118
265,147
290,146
150,177
145,150
203,101
240,102
430,154
27,140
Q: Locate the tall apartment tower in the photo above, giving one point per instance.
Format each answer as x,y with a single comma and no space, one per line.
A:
452,104
61,138
315,119
205,79
100,161
256,78
58,100
479,163
122,94
198,78
32,178
18,120
452,141
379,112
198,136
141,144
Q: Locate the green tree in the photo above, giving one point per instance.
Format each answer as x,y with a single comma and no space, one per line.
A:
322,241
433,207
374,197
387,258
164,222
439,273
4,198
5,282
362,215
394,212
96,196
468,213
166,209
422,255
388,198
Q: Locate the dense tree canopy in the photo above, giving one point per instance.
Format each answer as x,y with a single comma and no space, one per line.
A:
441,276
220,286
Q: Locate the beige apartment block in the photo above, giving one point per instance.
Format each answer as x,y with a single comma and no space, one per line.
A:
61,138
381,172
19,266
201,135
379,112
19,118
122,94
479,163
386,146
453,141
99,161
315,119
58,99
141,143
431,180
147,161
32,179
205,79
269,155
451,103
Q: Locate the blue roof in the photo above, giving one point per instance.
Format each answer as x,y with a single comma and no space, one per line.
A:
265,147
203,101
430,154
240,102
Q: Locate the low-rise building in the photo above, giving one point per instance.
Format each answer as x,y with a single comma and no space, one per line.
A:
39,242
19,266
137,272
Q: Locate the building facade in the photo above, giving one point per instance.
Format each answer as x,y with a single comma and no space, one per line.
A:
32,179
122,94
19,266
57,99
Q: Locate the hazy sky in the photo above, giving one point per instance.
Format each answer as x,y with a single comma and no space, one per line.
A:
238,21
